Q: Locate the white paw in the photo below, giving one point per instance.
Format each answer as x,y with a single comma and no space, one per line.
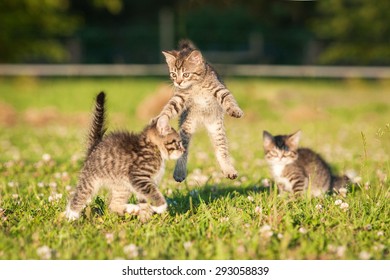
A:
71,215
132,209
160,209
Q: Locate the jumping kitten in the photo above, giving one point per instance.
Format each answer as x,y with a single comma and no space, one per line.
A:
125,163
200,98
297,169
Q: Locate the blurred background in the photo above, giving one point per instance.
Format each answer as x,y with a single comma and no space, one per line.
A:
326,32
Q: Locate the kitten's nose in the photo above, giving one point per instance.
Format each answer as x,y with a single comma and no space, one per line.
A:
179,82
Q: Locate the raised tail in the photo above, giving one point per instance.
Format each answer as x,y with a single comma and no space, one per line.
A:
98,123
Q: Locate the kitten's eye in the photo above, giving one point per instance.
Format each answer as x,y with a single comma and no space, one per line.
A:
186,75
173,75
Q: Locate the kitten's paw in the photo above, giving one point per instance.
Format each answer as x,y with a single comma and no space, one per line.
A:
179,175
163,126
71,215
160,209
145,212
235,112
230,173
180,172
132,209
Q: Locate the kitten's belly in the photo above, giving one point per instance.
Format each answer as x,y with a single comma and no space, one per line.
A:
205,103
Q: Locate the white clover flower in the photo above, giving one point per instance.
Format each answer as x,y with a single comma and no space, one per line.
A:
380,233
187,245
131,251
243,179
44,252
319,207
241,249
55,197
368,227
265,228
343,192
353,176
344,206
258,210
340,251
15,196
280,235
302,230
46,157
109,237
250,198
266,183
266,231
237,184
224,219
40,184
364,255
338,202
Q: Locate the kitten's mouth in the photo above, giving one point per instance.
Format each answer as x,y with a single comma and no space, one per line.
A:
182,86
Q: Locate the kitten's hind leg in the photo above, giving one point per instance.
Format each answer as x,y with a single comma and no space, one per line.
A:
218,138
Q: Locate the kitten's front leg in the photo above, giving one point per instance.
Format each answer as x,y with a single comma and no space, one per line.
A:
147,189
174,107
229,104
163,126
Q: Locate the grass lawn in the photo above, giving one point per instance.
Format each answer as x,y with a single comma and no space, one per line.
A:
43,124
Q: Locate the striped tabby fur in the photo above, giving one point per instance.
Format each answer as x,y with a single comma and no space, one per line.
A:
126,163
200,98
298,169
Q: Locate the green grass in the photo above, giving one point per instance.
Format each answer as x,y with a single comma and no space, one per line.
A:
43,123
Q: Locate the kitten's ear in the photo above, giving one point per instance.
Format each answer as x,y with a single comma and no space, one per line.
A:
268,140
294,138
170,56
195,57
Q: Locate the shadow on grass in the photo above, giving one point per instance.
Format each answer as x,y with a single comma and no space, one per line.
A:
181,203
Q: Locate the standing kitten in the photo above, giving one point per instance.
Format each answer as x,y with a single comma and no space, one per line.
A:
200,98
297,169
125,163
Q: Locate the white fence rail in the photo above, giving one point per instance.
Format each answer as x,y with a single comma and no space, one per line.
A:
224,69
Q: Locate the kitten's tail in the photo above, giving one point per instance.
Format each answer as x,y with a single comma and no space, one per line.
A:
98,123
186,44
339,182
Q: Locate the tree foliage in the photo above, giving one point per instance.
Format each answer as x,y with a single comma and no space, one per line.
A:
355,31
31,30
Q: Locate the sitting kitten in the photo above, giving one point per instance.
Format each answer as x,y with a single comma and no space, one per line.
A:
125,163
200,98
297,169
